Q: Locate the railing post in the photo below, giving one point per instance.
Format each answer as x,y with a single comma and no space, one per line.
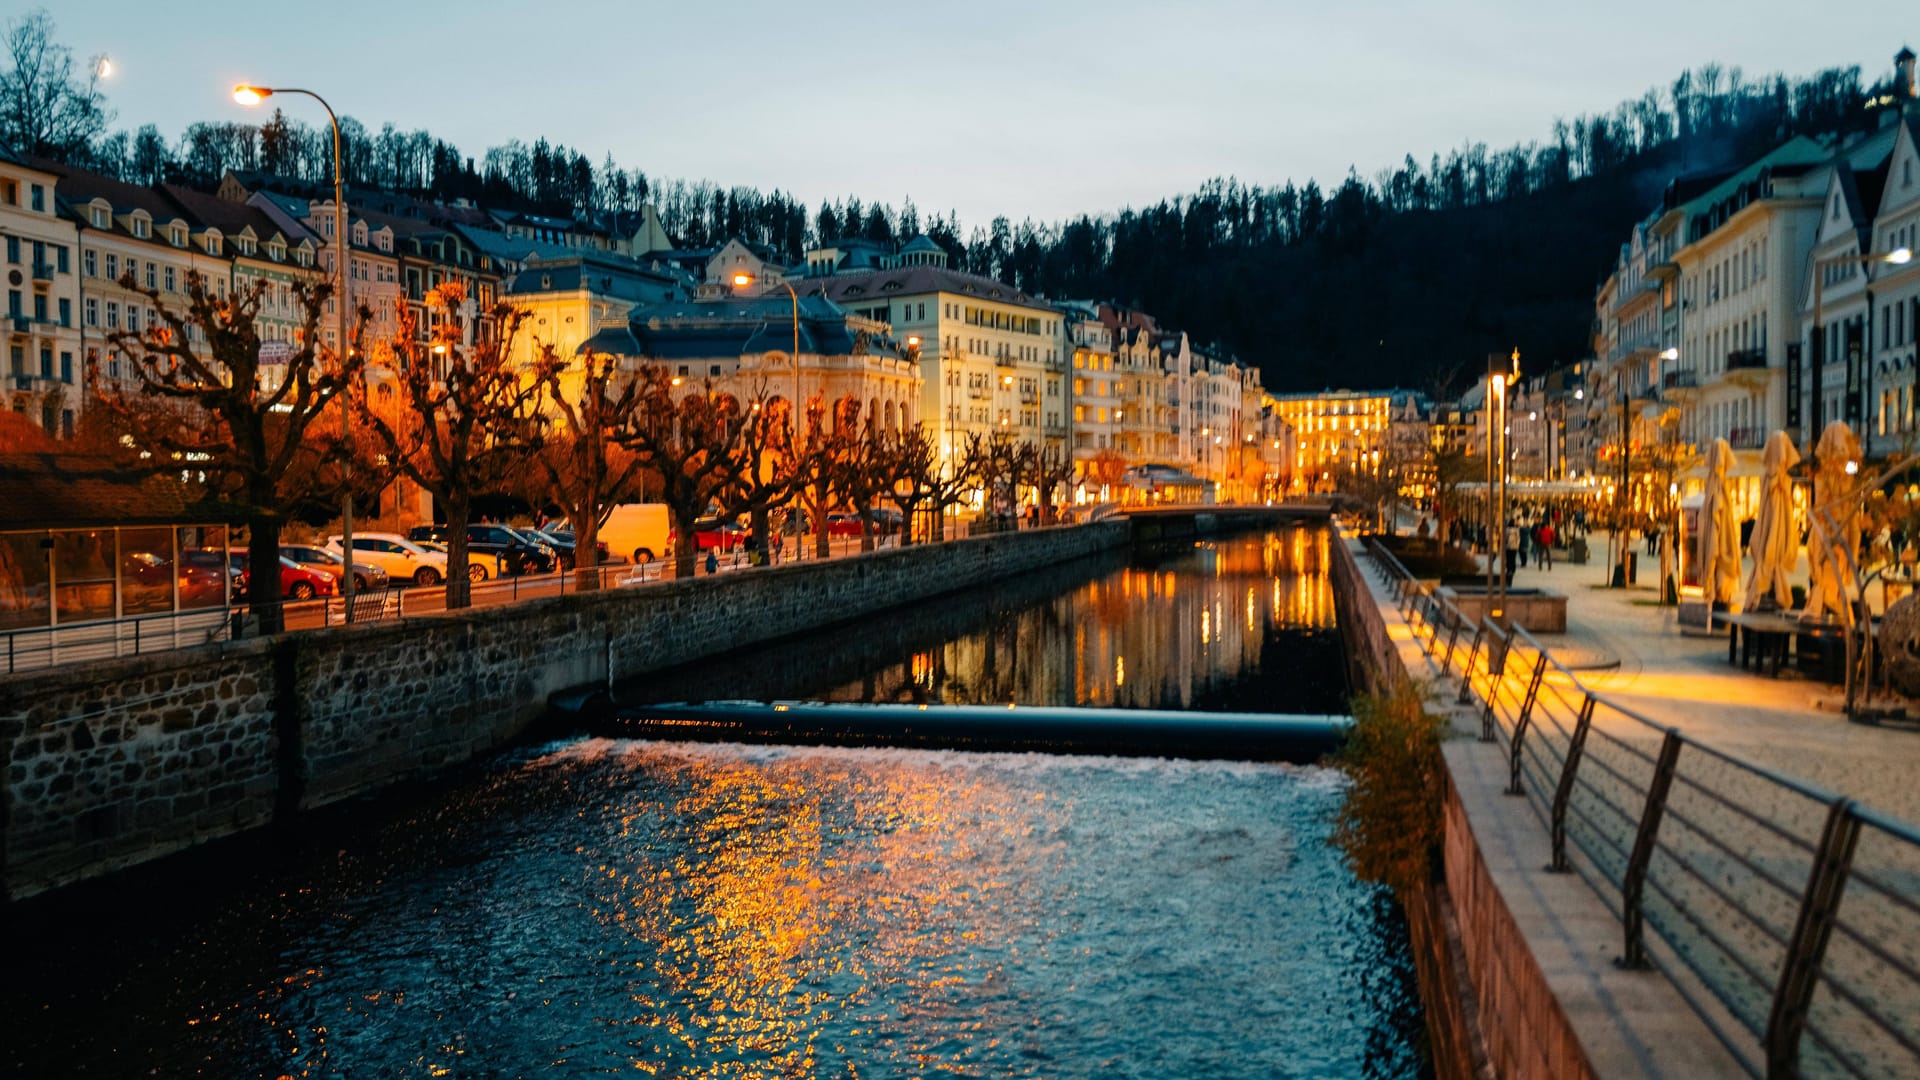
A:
1520,724
1563,794
1453,638
1466,670
1634,882
1497,651
1800,973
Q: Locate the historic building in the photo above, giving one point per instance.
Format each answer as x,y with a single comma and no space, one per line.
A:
44,349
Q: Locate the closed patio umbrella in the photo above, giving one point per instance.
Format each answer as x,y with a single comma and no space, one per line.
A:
1837,451
1773,540
1719,549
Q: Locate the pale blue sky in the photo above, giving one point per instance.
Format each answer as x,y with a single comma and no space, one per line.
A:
1038,109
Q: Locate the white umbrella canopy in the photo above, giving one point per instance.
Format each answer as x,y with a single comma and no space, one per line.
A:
1773,540
1719,549
1826,587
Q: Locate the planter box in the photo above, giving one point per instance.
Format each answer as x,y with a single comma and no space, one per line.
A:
1537,610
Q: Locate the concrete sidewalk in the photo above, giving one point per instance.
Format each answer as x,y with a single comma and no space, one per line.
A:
1685,681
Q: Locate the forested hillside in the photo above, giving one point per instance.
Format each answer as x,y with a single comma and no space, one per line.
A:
1421,269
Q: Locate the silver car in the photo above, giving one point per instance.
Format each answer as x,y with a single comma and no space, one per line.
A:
320,560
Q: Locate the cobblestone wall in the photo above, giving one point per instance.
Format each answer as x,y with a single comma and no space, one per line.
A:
115,762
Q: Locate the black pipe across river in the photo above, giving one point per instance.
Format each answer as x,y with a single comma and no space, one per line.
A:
595,904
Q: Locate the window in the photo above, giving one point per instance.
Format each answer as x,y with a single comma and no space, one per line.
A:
66,367
133,318
39,197
93,311
60,262
113,267
169,280
178,236
13,249
113,315
213,243
66,312
152,274
142,228
99,217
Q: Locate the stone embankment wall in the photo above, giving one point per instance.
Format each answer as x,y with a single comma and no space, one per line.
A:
115,762
1438,958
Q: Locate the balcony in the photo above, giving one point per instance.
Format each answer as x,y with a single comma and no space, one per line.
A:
42,271
1746,358
1747,438
1680,380
22,324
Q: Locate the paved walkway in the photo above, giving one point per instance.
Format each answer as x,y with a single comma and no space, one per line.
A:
1685,681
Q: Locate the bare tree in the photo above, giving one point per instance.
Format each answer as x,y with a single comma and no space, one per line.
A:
1048,470
200,400
691,444
586,474
45,108
470,418
820,484
764,471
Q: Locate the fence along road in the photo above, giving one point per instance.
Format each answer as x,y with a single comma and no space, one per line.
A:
1785,914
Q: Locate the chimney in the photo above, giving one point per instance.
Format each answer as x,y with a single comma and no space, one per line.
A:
1903,84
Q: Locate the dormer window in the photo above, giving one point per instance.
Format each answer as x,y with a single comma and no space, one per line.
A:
304,257
100,217
360,233
142,228
246,245
178,236
213,243
277,251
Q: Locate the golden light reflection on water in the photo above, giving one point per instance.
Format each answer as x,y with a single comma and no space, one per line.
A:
1161,636
766,923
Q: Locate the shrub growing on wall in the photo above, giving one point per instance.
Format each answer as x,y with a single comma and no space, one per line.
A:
1390,824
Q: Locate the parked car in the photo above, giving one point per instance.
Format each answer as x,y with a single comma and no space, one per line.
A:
503,549
365,575
296,581
402,559
563,535
714,534
844,525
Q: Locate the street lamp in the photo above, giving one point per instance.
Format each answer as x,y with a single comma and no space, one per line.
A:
742,280
251,96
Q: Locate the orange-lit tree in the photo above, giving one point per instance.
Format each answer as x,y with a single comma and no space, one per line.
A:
830,438
689,441
469,421
199,400
580,468
764,469
1048,471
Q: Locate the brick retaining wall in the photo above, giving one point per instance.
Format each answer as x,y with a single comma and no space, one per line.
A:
115,762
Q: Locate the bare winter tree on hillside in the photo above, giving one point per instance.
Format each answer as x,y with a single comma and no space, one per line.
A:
45,107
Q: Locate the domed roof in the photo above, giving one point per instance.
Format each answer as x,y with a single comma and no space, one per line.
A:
923,242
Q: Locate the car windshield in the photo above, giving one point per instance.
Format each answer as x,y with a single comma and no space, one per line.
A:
408,545
289,563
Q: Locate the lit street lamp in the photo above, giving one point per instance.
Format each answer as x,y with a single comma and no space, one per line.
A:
254,95
741,281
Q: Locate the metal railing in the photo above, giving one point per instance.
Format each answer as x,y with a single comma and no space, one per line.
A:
1788,916
37,647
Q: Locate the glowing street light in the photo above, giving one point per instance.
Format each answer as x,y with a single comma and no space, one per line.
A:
252,96
740,281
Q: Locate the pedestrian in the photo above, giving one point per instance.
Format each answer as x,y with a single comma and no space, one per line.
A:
1512,540
778,544
713,562
1545,534
1515,534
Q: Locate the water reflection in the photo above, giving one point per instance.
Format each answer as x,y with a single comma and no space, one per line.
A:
1242,624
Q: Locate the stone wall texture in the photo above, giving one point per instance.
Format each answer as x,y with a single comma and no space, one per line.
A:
114,762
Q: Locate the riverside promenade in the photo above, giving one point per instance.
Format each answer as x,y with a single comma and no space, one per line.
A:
1622,644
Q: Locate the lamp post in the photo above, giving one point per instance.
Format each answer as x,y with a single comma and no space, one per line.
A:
741,281
254,95
1896,257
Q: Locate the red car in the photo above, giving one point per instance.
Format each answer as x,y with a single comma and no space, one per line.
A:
712,533
296,581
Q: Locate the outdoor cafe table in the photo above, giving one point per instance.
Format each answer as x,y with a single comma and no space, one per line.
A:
1760,640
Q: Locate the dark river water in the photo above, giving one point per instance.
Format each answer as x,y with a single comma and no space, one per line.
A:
589,906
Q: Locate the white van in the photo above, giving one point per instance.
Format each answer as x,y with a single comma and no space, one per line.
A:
637,531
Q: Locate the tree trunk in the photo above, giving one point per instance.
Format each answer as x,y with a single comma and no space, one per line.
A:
586,549
686,545
459,589
263,573
759,519
866,533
